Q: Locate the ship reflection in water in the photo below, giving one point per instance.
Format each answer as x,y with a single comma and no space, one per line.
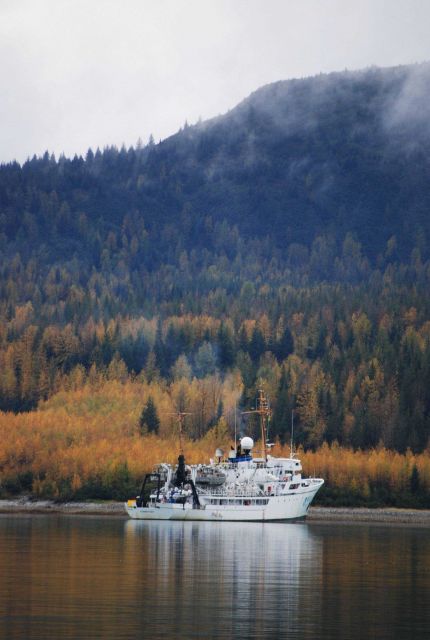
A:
83,577
231,579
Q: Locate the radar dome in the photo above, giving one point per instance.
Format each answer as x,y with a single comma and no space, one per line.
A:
247,443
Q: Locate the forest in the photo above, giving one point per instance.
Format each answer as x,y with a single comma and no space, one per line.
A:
284,246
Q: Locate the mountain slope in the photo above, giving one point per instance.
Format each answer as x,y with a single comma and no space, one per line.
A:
331,154
284,244
338,153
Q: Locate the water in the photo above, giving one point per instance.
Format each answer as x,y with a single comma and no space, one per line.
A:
83,577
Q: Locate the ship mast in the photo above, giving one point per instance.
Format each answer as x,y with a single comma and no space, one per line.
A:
180,417
264,411
292,435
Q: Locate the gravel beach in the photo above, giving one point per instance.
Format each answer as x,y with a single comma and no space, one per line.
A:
388,515
411,517
26,505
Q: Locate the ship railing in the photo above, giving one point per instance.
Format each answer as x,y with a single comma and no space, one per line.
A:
233,464
233,491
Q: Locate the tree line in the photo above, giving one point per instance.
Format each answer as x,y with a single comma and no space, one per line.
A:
111,267
96,439
353,370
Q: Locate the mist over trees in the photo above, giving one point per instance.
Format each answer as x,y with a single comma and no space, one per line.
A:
285,244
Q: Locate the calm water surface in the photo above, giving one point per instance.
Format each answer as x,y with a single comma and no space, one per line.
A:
82,577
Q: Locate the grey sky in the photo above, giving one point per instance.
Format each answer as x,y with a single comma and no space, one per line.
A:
85,73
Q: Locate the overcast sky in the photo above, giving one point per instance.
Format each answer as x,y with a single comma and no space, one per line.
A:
85,73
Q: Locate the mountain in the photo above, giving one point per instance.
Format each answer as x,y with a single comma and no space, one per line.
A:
322,156
285,243
338,153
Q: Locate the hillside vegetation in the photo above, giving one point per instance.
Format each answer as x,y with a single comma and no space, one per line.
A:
284,244
86,443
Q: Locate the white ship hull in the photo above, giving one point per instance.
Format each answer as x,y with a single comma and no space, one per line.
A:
289,506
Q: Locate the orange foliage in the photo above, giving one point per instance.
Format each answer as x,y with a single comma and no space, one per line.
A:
92,433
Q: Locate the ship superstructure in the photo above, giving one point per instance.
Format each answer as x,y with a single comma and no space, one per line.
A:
241,487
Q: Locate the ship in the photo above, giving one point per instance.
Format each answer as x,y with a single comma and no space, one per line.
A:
239,487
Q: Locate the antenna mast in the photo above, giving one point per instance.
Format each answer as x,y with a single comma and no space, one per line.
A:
292,435
180,416
235,426
264,412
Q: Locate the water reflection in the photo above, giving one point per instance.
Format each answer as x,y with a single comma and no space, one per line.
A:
376,582
244,578
71,577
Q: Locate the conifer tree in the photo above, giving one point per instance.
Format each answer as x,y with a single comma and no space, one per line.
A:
226,347
149,420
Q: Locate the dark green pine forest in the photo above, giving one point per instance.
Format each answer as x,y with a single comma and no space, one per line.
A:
286,242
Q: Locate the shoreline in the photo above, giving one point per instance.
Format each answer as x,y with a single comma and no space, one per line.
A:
382,515
28,506
317,515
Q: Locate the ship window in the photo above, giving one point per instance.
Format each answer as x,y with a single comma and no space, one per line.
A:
294,486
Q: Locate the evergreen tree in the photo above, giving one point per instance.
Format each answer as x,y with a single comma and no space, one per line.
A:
243,343
226,347
284,404
257,345
415,480
149,420
285,345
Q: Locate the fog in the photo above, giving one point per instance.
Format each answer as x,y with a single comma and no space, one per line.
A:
78,74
